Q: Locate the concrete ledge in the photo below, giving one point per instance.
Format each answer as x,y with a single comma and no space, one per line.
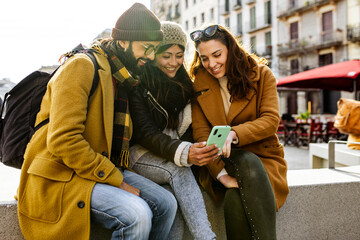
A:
344,156
322,204
9,225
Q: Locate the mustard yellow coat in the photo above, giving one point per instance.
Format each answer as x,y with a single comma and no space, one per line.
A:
255,121
66,157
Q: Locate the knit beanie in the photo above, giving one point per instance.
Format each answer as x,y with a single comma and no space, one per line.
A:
137,24
173,34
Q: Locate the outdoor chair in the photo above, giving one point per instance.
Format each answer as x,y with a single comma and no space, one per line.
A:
282,132
310,133
290,133
331,133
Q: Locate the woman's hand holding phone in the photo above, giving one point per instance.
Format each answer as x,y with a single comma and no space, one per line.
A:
218,143
200,154
227,145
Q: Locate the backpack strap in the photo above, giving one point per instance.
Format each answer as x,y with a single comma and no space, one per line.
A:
46,121
93,86
96,76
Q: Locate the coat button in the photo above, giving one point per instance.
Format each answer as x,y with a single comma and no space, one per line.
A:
101,174
105,154
81,204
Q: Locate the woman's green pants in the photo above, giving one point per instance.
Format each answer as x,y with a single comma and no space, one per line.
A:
250,210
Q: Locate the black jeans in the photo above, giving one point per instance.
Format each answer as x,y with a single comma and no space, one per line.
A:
250,210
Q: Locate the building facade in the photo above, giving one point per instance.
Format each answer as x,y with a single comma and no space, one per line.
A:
251,21
353,28
311,34
293,35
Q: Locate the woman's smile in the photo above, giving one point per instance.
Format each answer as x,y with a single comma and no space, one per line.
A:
213,55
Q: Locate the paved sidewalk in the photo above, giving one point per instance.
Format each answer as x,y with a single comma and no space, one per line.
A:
297,158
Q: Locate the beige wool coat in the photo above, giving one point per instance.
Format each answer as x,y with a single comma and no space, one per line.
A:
255,121
67,156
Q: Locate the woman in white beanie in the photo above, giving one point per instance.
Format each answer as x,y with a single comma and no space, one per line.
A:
162,148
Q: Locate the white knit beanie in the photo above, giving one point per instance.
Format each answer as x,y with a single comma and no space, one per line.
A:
173,34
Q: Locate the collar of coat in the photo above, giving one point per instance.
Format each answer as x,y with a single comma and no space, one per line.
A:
207,89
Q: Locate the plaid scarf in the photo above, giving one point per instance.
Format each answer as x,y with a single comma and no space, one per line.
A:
124,83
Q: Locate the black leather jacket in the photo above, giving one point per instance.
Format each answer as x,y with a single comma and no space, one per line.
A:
149,120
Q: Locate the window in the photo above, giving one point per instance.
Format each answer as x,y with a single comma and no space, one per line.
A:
186,25
227,7
325,59
212,14
267,12
194,22
162,6
227,22
294,31
239,23
327,26
238,2
202,17
168,16
253,44
252,18
294,66
268,43
292,4
186,3
177,12
194,1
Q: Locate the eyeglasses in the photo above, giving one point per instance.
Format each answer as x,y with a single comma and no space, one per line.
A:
148,49
208,32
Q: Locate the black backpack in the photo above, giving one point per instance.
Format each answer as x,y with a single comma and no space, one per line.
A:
21,105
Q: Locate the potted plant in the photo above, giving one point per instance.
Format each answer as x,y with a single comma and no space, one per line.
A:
303,117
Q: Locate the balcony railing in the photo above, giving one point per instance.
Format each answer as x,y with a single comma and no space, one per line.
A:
268,50
301,6
260,23
311,43
250,1
353,33
225,8
237,5
267,53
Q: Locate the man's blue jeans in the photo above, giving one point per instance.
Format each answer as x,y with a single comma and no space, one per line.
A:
149,216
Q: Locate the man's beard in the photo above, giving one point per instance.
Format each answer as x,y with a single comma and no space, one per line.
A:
130,62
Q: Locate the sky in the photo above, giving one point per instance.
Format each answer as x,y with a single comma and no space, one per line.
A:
35,33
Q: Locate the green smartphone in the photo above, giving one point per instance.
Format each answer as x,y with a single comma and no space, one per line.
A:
218,136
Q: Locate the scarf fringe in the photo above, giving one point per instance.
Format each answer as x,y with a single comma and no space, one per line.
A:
123,160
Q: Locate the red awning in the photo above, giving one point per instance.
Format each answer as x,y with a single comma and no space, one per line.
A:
338,76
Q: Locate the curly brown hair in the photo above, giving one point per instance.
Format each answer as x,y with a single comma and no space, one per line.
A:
239,64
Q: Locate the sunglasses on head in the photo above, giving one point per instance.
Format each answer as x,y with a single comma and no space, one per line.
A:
208,32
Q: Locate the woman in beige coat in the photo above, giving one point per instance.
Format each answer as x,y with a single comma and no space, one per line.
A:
235,89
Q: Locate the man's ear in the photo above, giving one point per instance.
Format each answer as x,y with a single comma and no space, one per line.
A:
124,44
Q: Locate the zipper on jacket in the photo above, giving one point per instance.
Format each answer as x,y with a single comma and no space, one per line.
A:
158,106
